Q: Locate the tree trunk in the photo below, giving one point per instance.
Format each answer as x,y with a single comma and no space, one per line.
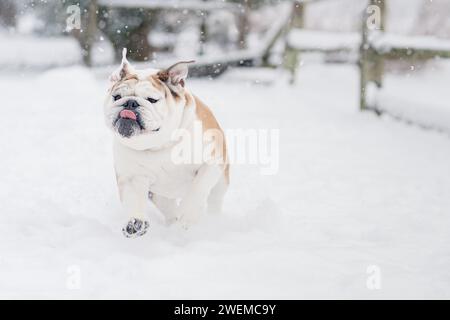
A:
139,49
243,23
203,33
8,13
86,36
133,37
91,30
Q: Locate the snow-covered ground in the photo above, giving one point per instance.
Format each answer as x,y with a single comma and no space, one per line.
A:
353,191
429,106
28,51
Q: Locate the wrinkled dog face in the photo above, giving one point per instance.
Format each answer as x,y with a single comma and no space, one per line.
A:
140,102
136,106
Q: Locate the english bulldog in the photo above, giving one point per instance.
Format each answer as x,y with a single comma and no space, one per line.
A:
153,117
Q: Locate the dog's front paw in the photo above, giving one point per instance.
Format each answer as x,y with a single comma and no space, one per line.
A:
185,222
135,228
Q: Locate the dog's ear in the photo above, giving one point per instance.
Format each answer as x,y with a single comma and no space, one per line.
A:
176,74
124,69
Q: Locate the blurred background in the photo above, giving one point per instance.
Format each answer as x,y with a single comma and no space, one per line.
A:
65,32
398,37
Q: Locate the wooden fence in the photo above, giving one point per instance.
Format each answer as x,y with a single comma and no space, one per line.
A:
374,46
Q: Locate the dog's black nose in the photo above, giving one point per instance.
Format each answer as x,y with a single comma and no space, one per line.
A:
131,104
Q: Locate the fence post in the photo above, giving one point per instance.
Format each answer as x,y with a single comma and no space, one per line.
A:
298,15
378,59
291,57
371,64
362,65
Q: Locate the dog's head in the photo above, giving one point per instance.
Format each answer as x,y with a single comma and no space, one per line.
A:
145,106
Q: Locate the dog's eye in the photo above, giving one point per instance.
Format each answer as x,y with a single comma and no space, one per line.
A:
151,100
117,97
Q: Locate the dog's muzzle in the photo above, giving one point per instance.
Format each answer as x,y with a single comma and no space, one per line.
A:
131,104
128,120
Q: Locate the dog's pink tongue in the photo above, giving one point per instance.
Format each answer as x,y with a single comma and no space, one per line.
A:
128,114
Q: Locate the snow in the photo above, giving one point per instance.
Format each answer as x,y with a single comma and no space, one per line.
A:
310,40
386,41
28,51
353,191
169,4
429,108
23,51
404,16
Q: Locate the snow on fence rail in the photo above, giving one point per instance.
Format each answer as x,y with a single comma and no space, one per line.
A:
326,41
170,4
384,42
426,111
378,46
323,41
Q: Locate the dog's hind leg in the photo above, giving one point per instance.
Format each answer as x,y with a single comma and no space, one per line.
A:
194,202
215,198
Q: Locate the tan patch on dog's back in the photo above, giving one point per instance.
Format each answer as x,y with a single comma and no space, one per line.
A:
209,122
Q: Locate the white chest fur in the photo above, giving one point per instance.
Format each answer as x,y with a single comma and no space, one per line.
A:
164,177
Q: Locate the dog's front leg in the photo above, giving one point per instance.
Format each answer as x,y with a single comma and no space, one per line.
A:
193,205
133,194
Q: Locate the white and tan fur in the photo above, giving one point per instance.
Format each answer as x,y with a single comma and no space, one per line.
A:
143,161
